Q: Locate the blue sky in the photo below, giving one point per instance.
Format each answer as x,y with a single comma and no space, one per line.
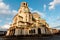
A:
47,9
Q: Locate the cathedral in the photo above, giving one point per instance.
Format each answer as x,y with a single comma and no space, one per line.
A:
27,23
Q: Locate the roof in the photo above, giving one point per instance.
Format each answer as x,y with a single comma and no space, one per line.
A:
35,13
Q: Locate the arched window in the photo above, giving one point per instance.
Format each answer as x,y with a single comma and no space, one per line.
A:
39,31
23,3
32,31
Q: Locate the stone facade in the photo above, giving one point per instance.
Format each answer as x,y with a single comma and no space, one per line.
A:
27,23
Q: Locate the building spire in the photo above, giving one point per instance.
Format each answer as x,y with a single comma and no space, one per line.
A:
24,4
24,8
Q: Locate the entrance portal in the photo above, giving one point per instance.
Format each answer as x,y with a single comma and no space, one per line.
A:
39,31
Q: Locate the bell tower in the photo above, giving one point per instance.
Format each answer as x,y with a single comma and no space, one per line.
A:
24,4
25,12
23,8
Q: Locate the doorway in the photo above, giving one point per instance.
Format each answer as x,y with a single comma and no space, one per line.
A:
39,31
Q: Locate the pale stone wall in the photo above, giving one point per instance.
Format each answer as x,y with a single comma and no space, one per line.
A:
15,20
18,31
43,30
25,31
25,19
30,18
7,33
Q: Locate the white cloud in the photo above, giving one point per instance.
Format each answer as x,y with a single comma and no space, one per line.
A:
0,20
8,18
40,13
1,0
5,9
53,4
54,24
44,7
30,8
14,12
58,28
58,18
4,27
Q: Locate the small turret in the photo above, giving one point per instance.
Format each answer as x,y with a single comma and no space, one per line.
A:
24,8
24,4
